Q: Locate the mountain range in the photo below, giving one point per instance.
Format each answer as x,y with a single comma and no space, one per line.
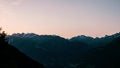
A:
57,52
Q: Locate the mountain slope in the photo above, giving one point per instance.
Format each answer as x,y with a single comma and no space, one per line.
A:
107,56
50,50
58,52
110,55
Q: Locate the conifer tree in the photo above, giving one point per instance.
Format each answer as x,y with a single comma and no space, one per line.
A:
2,37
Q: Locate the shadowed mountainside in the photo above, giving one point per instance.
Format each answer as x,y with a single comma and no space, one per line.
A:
108,56
57,52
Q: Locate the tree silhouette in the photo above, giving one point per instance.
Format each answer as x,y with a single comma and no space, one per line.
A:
3,40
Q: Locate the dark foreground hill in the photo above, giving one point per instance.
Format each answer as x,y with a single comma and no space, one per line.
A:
10,57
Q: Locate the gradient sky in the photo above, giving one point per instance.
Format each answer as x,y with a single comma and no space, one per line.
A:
66,18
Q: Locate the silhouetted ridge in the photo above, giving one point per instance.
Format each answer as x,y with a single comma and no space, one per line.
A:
58,52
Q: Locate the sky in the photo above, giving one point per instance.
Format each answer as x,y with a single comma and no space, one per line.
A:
66,18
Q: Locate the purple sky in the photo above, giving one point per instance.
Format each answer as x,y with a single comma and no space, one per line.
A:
66,18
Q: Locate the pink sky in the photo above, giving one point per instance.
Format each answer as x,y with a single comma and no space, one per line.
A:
66,18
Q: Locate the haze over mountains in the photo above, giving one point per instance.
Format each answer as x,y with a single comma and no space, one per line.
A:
57,52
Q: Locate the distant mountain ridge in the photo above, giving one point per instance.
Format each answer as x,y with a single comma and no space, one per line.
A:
82,38
30,35
55,51
92,41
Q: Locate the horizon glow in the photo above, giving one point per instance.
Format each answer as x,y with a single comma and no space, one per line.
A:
65,18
